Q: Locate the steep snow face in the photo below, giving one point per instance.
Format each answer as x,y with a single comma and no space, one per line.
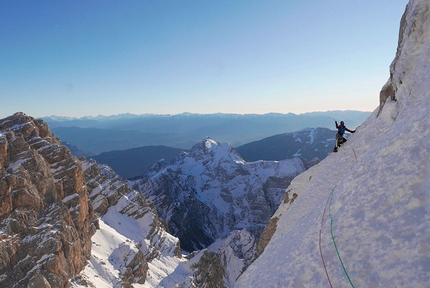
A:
205,194
362,215
130,247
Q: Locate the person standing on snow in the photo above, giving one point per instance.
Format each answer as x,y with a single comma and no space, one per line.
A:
339,136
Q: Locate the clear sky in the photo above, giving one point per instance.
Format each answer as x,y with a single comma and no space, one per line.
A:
77,58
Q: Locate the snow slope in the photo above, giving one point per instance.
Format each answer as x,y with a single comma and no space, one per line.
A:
110,251
371,200
129,237
210,191
130,245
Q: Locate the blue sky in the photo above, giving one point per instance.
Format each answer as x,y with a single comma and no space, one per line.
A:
77,58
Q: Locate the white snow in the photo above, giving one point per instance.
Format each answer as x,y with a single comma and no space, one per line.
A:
70,197
19,126
371,199
210,144
380,205
117,237
15,165
101,271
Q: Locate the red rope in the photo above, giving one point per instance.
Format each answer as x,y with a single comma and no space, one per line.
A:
322,257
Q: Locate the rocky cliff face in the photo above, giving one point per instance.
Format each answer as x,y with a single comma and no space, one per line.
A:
110,191
46,219
133,246
55,209
234,253
210,191
413,41
133,217
68,222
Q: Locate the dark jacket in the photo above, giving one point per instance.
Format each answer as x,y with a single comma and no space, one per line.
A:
342,128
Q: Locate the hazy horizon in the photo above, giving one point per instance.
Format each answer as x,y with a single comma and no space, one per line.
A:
191,113
165,57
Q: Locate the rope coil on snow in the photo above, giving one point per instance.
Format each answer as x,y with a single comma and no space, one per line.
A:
334,242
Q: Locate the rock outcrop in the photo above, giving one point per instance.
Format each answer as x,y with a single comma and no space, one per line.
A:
413,39
46,219
107,189
144,237
52,203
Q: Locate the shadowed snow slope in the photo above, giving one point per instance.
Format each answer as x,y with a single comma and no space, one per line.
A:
210,191
379,187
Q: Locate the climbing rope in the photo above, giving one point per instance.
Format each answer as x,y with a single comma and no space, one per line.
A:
355,155
322,257
334,242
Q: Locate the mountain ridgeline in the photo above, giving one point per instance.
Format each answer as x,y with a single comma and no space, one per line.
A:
107,133
208,217
91,228
210,191
311,144
135,162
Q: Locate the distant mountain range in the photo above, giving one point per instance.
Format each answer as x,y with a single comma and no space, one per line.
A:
309,143
134,162
107,133
360,215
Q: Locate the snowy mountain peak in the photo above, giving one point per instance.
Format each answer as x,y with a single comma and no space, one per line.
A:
210,191
209,143
205,146
207,153
214,150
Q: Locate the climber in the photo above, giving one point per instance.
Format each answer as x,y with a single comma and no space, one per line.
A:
339,136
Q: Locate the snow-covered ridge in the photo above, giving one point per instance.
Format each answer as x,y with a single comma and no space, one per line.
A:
129,233
130,244
210,191
372,197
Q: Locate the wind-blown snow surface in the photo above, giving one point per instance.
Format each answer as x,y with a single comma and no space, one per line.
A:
380,182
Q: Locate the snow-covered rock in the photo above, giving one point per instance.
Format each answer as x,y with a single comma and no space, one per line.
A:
361,217
68,222
130,238
210,191
131,246
72,222
46,220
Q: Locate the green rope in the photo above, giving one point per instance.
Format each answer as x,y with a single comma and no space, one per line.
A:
334,242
